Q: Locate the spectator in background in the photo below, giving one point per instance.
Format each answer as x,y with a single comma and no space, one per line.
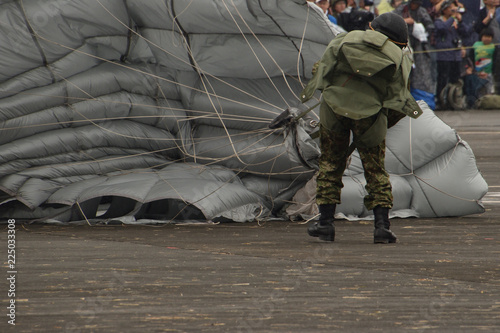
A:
420,26
470,15
386,6
435,9
336,10
449,32
351,4
351,17
497,13
487,19
368,5
484,55
479,68
325,6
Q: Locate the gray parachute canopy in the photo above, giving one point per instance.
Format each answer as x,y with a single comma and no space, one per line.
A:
158,109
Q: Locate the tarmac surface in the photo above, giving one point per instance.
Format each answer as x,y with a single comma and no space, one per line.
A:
442,276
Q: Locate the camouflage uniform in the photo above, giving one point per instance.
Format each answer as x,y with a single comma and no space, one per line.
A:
333,161
364,80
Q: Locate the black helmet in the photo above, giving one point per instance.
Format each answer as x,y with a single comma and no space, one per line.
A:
393,26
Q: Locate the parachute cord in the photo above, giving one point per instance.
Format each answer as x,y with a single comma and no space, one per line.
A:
236,174
411,147
286,35
209,95
149,74
197,69
177,58
310,219
300,50
182,148
266,50
204,114
445,193
161,139
81,211
253,51
425,181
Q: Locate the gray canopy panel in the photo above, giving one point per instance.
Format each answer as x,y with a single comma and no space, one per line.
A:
152,109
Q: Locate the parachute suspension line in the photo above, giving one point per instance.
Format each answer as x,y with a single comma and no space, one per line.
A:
146,73
202,80
310,219
116,133
157,172
425,181
81,211
196,68
174,17
239,171
442,169
246,152
193,63
446,193
300,50
177,58
286,35
121,158
20,5
266,50
97,99
412,171
182,146
236,174
253,51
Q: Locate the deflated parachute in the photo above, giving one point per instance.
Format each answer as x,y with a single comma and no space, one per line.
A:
154,109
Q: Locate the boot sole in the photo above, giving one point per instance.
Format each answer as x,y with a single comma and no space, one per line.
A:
327,238
383,241
326,233
384,236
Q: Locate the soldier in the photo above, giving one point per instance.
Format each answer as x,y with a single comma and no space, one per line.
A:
363,76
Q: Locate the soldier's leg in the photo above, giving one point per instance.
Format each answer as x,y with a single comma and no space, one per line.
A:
334,140
379,197
378,184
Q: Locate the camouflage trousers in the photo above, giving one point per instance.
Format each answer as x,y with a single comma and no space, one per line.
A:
335,139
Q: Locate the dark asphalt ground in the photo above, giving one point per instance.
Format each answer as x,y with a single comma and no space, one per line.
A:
443,275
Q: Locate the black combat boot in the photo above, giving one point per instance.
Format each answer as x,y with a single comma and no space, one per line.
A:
324,229
382,233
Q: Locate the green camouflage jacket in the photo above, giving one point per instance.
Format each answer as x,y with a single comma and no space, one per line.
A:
362,73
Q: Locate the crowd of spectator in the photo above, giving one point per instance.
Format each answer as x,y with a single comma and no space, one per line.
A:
454,44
